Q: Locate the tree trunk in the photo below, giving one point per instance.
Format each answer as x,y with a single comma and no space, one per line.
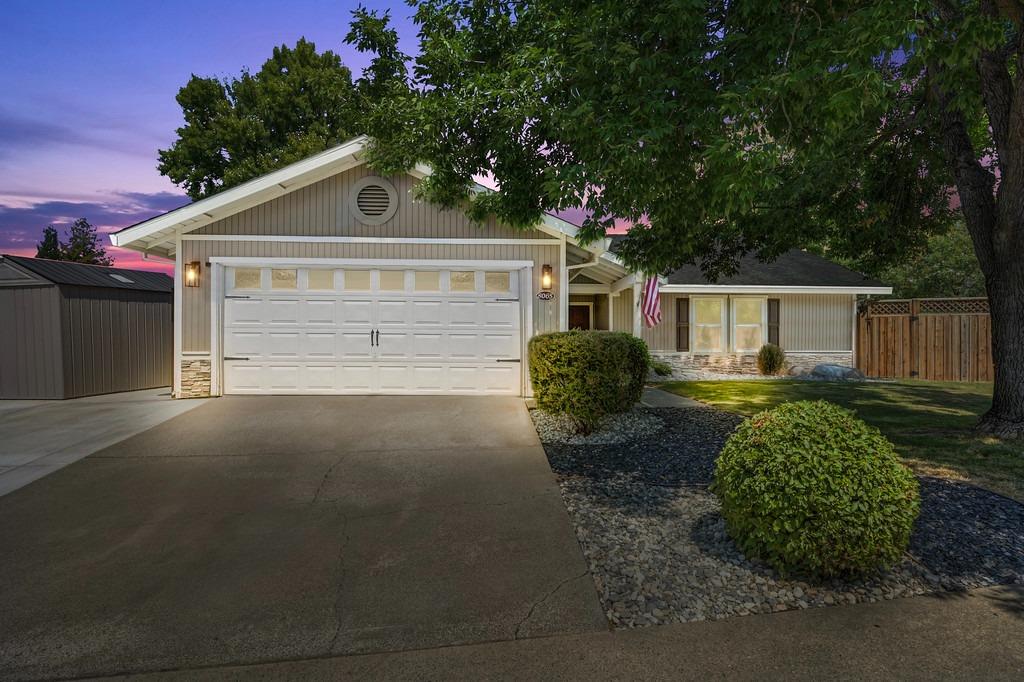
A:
1006,306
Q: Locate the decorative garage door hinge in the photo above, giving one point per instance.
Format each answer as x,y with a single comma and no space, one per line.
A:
236,297
507,360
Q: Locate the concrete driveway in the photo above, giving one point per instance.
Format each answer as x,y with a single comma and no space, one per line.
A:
37,437
267,529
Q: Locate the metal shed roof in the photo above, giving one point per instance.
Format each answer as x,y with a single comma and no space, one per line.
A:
81,274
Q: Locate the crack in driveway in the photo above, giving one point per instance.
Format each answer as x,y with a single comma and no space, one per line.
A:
543,599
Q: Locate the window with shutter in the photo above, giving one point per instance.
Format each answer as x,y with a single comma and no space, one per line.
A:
773,320
683,325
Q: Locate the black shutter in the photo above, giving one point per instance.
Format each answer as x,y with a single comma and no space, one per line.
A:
773,321
683,325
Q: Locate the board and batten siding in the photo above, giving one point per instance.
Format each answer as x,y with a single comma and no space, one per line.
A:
807,322
30,343
622,311
322,210
196,300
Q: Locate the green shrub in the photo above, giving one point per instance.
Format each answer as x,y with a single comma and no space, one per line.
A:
810,488
661,368
587,374
771,359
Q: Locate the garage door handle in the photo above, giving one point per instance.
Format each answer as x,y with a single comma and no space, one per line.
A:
378,337
229,357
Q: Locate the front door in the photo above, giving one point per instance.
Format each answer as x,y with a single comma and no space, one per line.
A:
579,317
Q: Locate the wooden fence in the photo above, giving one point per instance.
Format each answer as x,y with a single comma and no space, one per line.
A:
941,339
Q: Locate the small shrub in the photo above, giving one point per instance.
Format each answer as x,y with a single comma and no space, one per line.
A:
587,374
810,488
771,359
661,368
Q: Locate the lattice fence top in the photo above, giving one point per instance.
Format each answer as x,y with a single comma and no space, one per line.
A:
930,306
893,307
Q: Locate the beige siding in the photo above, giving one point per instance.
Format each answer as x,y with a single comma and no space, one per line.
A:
622,311
663,336
196,301
809,322
322,209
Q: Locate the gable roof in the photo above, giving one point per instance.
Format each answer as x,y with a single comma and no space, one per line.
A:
158,234
81,274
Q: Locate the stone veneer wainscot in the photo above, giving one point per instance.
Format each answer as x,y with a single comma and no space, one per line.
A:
746,363
195,378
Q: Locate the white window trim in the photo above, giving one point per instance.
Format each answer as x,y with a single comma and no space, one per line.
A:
723,324
732,322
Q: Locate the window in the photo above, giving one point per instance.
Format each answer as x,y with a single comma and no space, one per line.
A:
247,278
357,280
463,281
392,280
707,325
748,323
683,325
321,280
428,280
497,282
284,279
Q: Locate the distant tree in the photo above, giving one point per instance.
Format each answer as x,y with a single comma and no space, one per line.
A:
50,247
946,267
299,103
84,245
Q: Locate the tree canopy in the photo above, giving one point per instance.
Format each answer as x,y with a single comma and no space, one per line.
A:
731,126
299,103
82,246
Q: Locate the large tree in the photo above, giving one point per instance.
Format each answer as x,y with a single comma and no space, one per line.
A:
732,126
82,246
299,103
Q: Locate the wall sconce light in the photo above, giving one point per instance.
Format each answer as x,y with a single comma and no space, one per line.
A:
192,274
545,277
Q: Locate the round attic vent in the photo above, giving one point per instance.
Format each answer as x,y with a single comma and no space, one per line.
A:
373,201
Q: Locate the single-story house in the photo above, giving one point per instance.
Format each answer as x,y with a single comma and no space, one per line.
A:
69,330
324,278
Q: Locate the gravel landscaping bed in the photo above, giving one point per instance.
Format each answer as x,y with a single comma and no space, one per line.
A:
657,547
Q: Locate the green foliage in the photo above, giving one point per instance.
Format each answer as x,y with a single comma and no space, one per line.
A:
771,359
587,374
810,488
661,368
299,103
945,267
50,246
83,245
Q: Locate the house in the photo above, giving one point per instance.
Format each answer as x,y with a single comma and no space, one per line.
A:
323,277
69,330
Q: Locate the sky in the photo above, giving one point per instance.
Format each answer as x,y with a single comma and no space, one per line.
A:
88,98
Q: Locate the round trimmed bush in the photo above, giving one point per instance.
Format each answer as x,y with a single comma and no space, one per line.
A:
771,359
810,488
587,374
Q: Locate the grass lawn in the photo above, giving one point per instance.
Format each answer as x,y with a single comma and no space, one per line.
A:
928,422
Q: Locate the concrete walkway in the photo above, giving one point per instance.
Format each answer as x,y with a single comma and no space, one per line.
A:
976,635
257,529
655,397
38,437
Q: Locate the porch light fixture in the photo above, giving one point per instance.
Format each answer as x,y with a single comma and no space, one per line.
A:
545,277
191,274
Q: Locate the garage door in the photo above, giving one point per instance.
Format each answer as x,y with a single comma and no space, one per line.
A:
326,331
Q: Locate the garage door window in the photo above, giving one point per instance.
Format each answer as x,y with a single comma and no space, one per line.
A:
284,279
392,280
247,278
496,282
321,280
428,280
463,281
357,280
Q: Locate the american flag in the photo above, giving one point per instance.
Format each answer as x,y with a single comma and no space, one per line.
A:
651,307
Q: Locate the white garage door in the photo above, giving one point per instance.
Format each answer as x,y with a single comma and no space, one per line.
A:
322,331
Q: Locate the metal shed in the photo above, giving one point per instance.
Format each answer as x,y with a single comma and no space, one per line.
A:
69,330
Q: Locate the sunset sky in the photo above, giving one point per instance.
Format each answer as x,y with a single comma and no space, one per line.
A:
88,98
